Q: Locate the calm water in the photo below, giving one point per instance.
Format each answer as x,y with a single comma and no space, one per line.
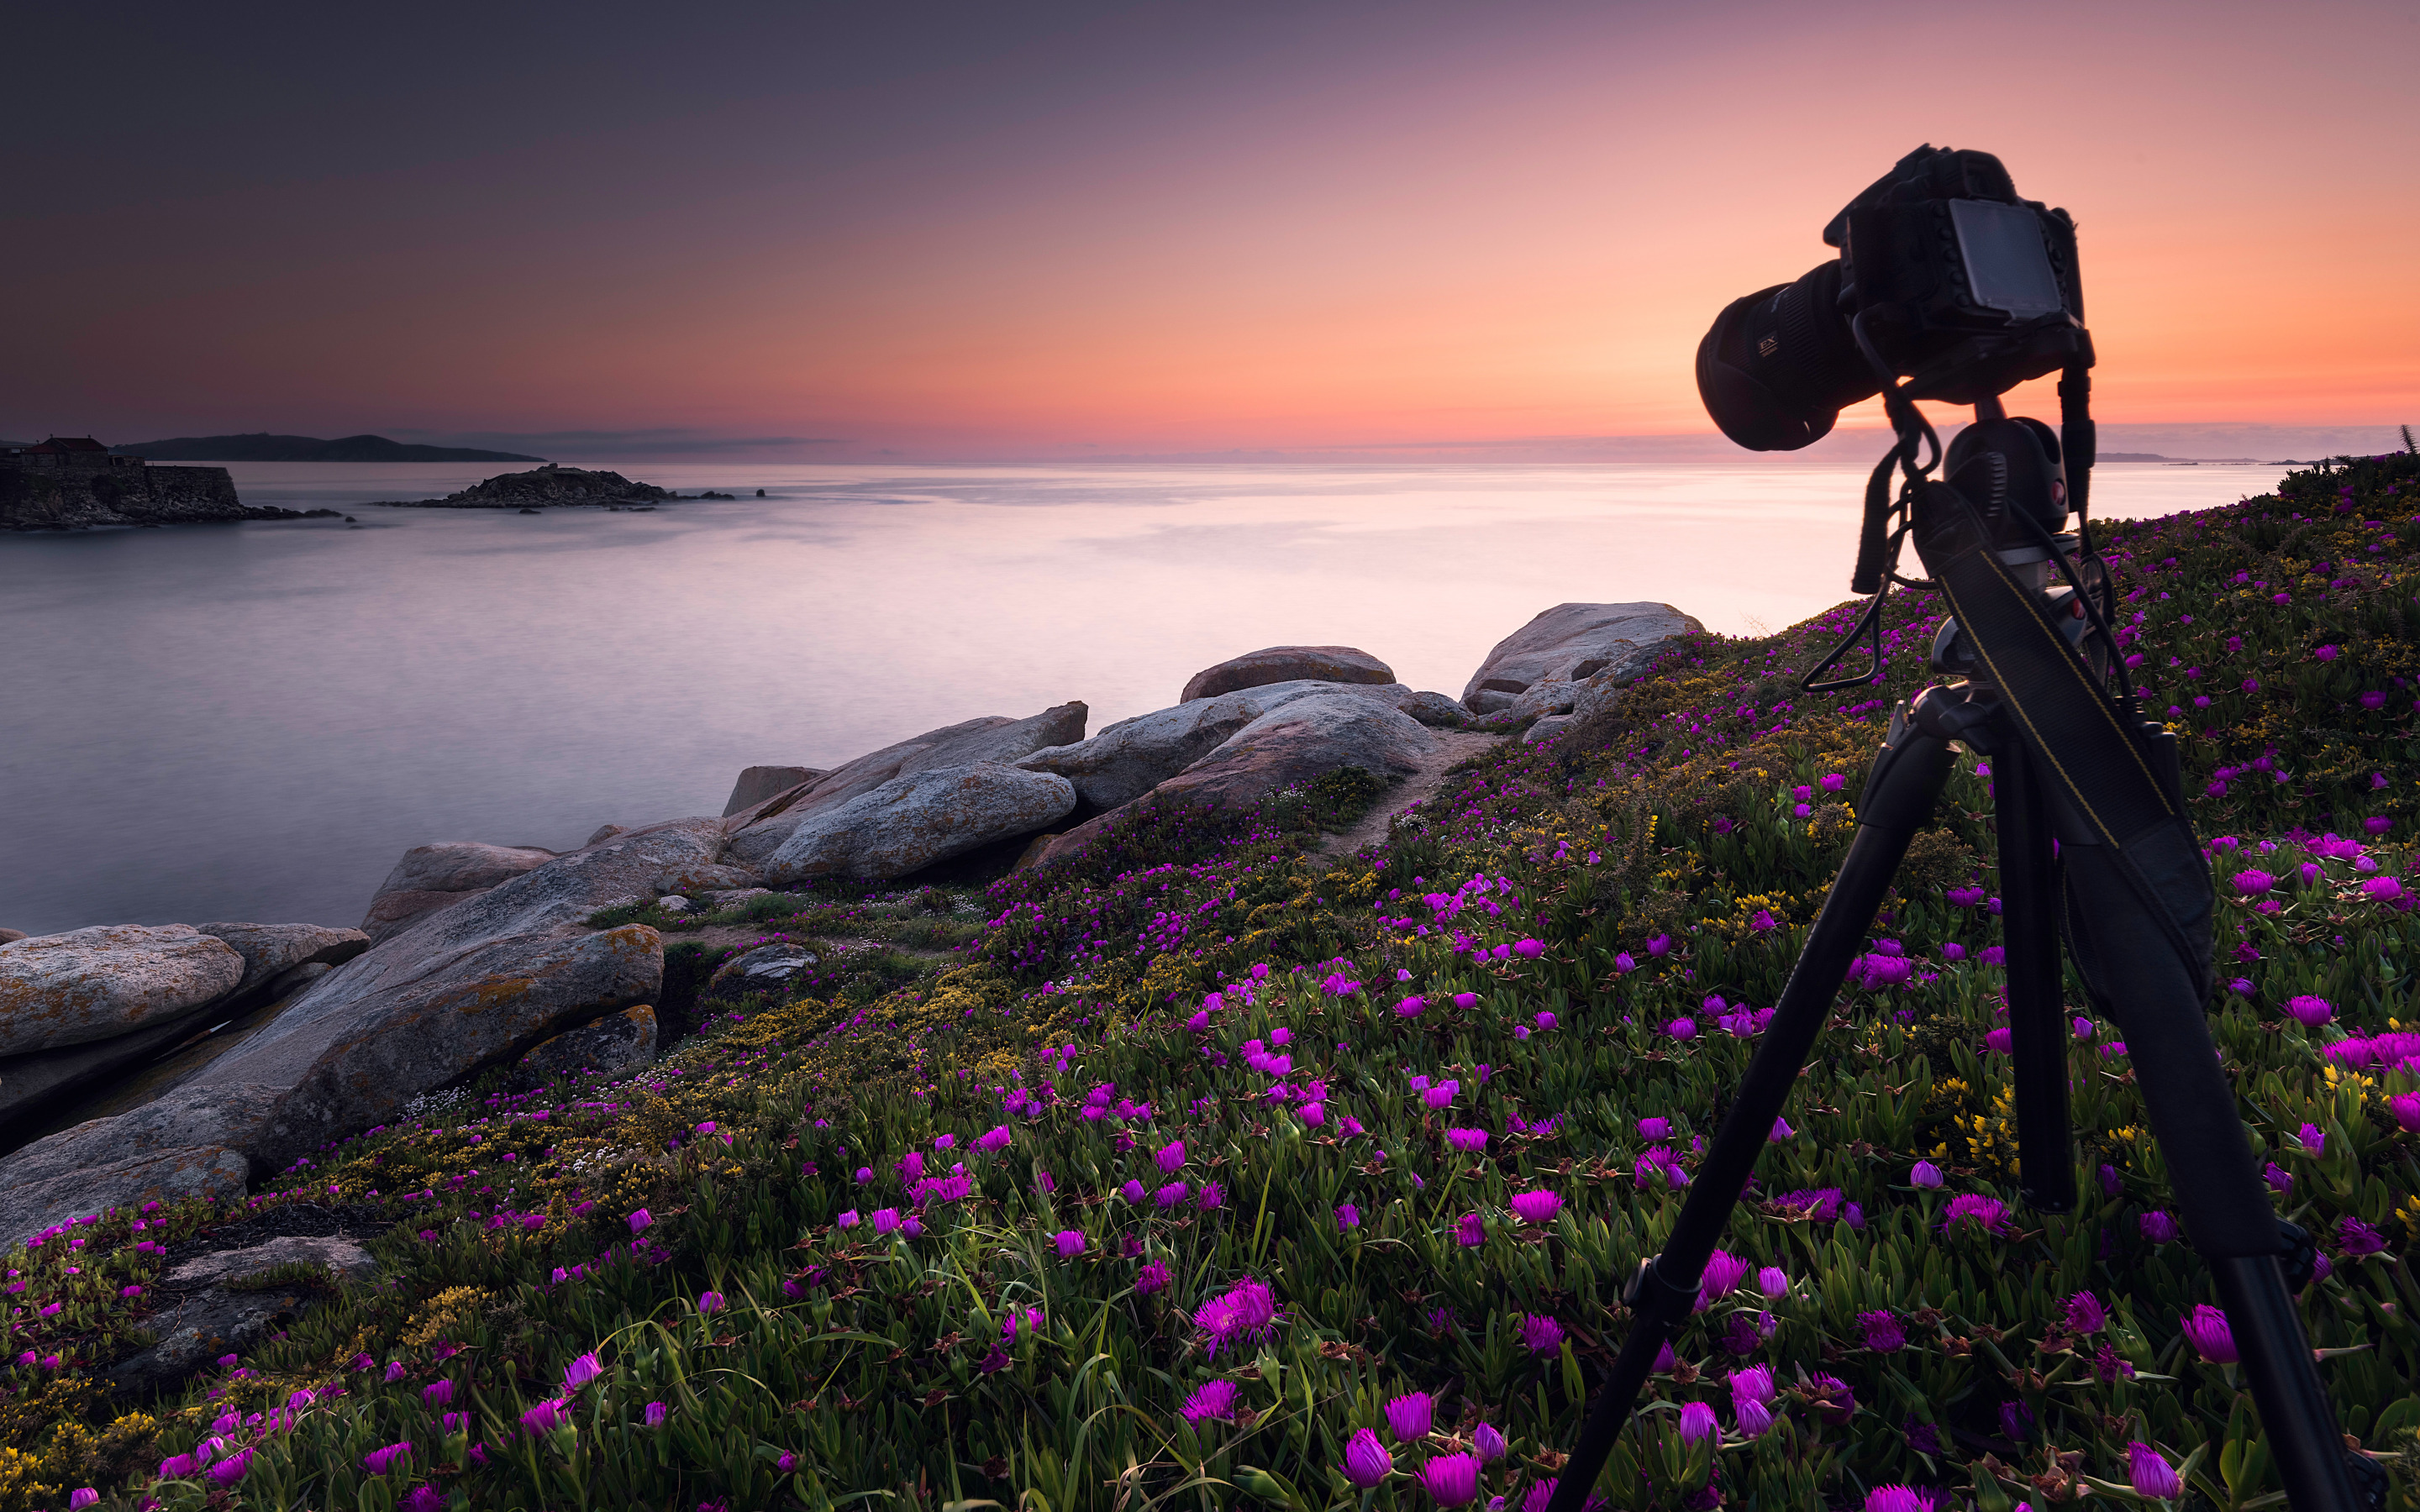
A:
254,721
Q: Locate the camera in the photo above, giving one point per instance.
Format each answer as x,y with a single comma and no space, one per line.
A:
1945,277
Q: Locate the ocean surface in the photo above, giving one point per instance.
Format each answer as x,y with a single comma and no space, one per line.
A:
255,721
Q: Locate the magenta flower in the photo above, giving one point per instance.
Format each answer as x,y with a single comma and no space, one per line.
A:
1171,1156
1723,1272
1899,1498
2381,890
1989,1214
1212,1399
1451,1480
1172,1194
2206,1330
2157,1227
2085,1314
1366,1460
1466,1000
1410,1007
886,1220
437,1393
1655,1130
1543,1336
2406,1108
2254,883
1772,1281
1529,950
2309,1011
708,1304
1884,1335
234,1467
587,1368
2357,1238
655,1414
547,1416
1246,1311
1347,1216
1467,1141
1832,1400
1154,1277
639,1220
1682,1028
1440,1095
1408,1416
1536,1207
1071,1242
2151,1474
1489,1444
1312,1112
378,1462
1469,1231
2002,1040
1697,1423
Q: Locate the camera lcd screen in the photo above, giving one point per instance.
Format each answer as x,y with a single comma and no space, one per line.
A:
2006,264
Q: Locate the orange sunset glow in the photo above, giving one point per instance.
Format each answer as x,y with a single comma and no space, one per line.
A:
1181,229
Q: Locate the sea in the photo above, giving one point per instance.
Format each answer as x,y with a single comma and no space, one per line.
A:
254,721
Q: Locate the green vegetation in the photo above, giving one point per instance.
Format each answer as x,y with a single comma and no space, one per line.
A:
1160,1186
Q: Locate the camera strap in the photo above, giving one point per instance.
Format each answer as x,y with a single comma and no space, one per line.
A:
2085,745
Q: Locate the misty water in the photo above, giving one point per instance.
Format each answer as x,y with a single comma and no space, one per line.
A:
254,721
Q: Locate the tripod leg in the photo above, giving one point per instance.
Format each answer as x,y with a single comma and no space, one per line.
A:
2227,1211
1898,797
2037,1029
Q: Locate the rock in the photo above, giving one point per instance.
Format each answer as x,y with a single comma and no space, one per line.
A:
10,936
440,875
1434,710
616,1042
1287,664
339,1257
758,832
703,877
741,898
269,950
1572,642
472,985
1292,745
550,484
766,966
185,1144
919,818
673,904
757,783
96,983
1546,728
1035,849
208,1318
604,833
1133,756
298,978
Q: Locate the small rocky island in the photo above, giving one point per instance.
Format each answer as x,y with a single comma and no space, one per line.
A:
550,485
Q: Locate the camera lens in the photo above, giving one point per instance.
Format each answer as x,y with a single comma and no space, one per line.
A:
1780,364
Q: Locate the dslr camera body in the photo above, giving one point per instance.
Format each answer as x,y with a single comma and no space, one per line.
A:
1945,276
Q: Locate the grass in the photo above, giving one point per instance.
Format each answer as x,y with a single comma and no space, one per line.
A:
989,1221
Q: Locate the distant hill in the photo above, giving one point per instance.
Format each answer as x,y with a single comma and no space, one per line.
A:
260,446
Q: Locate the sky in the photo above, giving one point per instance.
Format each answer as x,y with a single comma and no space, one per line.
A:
1002,229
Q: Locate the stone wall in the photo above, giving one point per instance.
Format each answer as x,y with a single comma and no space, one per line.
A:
52,499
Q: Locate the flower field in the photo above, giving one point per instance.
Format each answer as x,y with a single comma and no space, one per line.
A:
1209,1172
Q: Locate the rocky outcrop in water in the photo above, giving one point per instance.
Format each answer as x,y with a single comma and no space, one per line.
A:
550,485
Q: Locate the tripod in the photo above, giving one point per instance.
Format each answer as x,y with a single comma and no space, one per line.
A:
2072,762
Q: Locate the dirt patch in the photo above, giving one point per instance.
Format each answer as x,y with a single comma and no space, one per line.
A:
1454,747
